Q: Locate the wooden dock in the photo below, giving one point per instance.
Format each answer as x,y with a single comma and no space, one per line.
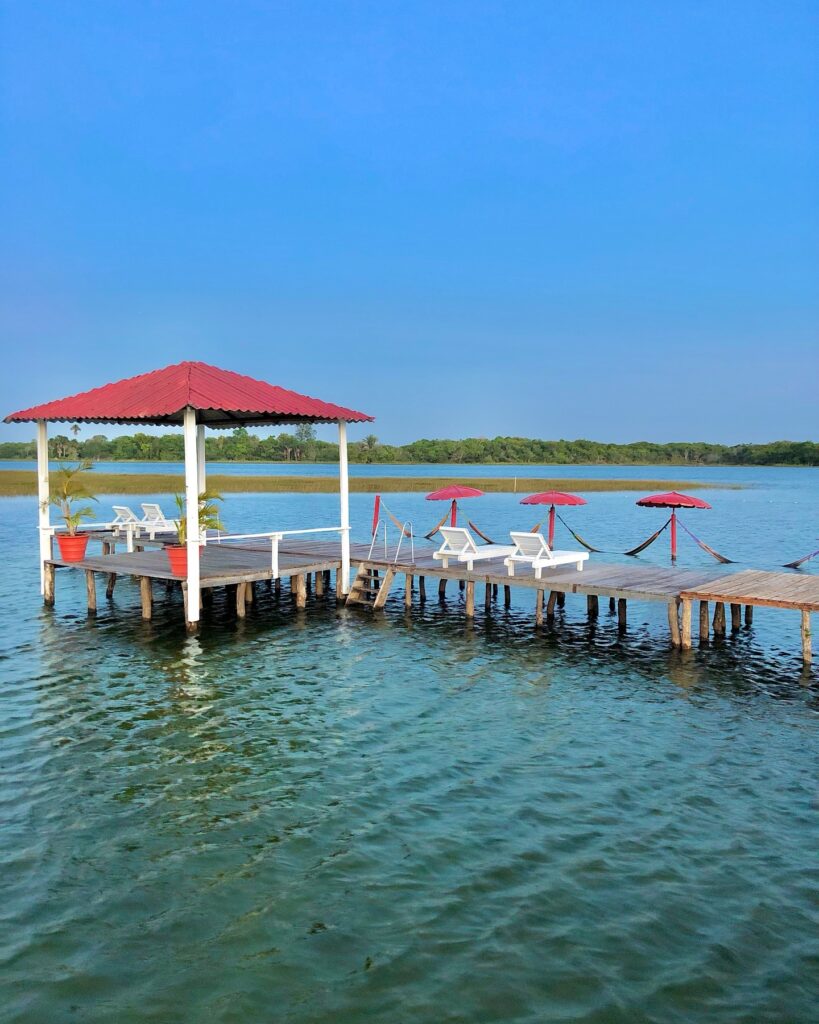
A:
241,566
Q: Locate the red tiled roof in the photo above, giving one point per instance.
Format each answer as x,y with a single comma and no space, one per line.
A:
223,399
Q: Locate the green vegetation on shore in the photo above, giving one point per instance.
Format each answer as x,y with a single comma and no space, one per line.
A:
302,446
15,482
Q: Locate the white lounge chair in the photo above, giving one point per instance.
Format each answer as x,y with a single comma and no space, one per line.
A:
460,545
532,549
154,520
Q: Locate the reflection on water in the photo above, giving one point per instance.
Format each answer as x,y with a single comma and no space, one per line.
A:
325,816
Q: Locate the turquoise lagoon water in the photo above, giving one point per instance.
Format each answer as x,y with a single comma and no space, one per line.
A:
321,816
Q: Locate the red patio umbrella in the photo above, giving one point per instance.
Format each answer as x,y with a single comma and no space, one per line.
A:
553,498
673,500
452,493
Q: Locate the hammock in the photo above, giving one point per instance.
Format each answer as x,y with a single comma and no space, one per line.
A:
799,561
704,546
469,523
577,537
401,526
646,543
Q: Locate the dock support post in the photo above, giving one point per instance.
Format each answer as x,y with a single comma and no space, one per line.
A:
470,599
301,591
408,591
561,599
146,596
91,590
539,608
749,615
192,512
593,606
719,619
241,594
704,626
612,604
319,584
550,605
250,592
507,595
48,584
487,597
422,590
736,617
685,635
344,502
674,623
621,613
43,499
442,588
807,653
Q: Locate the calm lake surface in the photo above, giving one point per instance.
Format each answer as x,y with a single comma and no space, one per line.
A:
325,817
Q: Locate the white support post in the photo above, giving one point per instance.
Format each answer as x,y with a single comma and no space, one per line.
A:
192,511
344,497
43,499
200,458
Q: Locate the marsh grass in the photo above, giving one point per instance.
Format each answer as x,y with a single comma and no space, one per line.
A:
24,482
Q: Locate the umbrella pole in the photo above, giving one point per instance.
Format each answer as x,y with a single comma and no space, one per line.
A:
673,535
453,518
552,527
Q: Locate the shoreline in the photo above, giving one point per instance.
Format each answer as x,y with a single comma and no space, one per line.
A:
20,483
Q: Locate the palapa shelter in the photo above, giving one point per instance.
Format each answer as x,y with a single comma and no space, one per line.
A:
191,395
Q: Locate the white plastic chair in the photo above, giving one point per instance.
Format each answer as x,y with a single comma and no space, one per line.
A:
460,545
532,549
154,520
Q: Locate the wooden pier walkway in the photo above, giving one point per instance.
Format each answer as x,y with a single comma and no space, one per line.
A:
242,565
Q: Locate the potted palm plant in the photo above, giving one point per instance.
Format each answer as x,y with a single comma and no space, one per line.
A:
208,520
68,492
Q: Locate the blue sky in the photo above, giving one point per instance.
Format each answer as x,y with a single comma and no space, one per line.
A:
553,219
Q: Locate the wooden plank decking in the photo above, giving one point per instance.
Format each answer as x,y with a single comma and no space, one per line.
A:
242,564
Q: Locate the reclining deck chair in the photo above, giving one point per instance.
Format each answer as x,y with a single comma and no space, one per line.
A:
532,549
460,545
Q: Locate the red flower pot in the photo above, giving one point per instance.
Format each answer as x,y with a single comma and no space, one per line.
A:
72,549
178,557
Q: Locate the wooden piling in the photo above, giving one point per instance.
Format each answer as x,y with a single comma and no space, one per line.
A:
593,606
250,592
422,590
408,591
612,604
749,615
487,597
319,584
110,584
807,652
241,593
442,588
718,623
146,596
736,617
621,613
507,595
674,623
685,633
470,599
561,599
301,590
704,624
538,607
91,590
550,605
48,584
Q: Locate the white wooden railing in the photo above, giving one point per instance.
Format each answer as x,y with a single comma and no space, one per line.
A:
275,537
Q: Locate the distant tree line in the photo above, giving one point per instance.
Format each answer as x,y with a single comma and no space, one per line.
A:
303,446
